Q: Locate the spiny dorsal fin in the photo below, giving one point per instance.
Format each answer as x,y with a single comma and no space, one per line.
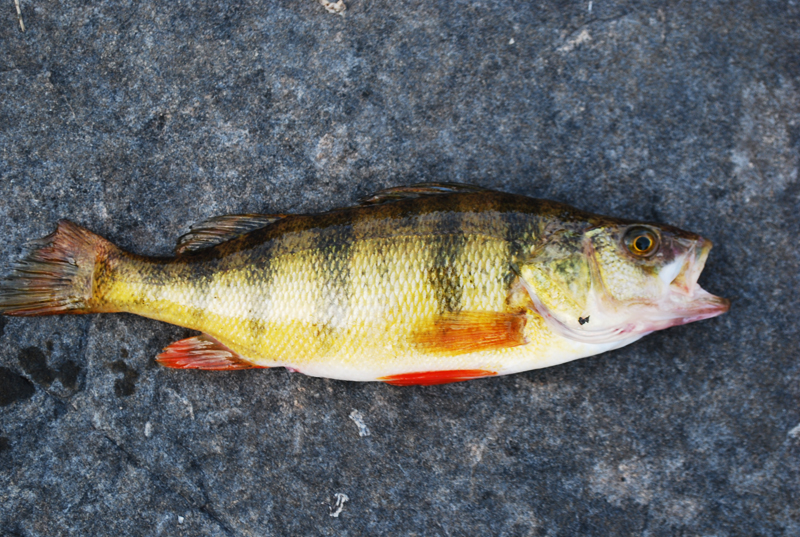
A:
220,229
202,352
418,190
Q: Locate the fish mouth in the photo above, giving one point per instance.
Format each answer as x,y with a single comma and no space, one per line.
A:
686,300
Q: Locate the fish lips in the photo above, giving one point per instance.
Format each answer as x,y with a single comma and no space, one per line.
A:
686,301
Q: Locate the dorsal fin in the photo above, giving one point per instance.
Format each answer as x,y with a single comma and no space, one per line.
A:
220,229
418,190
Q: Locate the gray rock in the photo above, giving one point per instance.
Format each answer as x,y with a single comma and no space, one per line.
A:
137,119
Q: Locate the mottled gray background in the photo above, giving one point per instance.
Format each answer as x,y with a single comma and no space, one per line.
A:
136,119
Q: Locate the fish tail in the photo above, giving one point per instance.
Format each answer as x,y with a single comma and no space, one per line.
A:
57,275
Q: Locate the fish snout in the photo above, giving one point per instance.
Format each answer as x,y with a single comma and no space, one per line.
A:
692,302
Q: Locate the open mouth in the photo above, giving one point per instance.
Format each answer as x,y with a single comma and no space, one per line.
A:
687,300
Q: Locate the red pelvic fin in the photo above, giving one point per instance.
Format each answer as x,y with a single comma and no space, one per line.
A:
465,332
429,378
202,352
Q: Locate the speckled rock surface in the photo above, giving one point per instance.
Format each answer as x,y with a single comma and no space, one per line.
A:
136,119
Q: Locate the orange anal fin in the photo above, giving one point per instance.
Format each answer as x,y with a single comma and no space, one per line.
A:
202,352
465,332
429,378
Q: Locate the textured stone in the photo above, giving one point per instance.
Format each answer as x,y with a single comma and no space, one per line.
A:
136,119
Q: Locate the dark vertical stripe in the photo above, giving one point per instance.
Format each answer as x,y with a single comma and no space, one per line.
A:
197,275
445,276
332,247
260,271
446,267
192,275
518,230
335,247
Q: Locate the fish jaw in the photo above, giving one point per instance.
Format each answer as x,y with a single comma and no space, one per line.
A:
683,301
686,301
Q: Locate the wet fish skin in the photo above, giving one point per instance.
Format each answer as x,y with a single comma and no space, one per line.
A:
422,284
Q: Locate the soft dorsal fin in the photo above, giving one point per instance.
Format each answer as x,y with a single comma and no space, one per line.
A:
467,331
202,352
220,229
418,190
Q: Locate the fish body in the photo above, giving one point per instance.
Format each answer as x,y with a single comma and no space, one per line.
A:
418,285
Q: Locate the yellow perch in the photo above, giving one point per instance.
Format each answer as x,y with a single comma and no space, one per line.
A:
424,284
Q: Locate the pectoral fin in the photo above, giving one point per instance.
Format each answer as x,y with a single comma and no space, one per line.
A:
465,332
202,352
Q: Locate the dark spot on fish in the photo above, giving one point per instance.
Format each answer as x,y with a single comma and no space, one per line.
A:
583,320
5,445
127,384
49,345
34,362
2,325
14,387
123,353
68,374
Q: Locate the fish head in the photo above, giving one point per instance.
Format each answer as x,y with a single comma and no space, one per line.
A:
601,280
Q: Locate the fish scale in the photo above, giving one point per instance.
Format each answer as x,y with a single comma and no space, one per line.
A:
418,285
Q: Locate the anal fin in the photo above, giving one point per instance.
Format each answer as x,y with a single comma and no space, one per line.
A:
465,332
202,352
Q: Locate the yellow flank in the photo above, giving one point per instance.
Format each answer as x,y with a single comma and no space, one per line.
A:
422,284
336,310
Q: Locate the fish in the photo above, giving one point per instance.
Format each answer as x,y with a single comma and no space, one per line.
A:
424,284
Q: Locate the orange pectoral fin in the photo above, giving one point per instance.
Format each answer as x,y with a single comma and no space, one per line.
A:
466,332
202,352
429,378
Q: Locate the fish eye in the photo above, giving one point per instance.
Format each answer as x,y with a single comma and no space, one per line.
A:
641,242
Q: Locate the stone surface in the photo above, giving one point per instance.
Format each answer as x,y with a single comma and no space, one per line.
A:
136,119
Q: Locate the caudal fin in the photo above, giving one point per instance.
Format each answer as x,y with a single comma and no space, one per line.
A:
57,274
